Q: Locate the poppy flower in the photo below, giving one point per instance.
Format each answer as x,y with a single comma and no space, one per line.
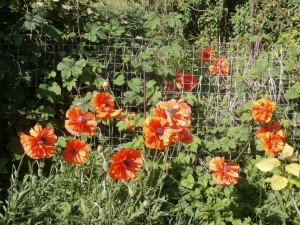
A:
125,164
220,66
40,143
104,106
272,138
263,133
157,133
206,55
129,120
262,110
183,136
186,81
76,151
80,123
224,173
177,113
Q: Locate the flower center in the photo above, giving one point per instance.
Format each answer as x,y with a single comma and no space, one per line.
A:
42,140
274,142
75,151
226,170
262,109
82,118
107,108
171,111
159,131
126,163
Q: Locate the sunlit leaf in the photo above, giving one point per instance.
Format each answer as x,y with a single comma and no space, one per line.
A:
293,169
268,164
277,182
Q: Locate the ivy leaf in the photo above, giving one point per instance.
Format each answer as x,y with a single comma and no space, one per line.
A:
69,67
152,21
120,80
135,85
287,152
227,143
293,169
268,164
188,182
277,182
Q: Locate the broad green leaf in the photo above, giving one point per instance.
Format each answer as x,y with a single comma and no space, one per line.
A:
135,85
295,181
287,151
188,182
120,80
268,164
293,169
277,182
152,21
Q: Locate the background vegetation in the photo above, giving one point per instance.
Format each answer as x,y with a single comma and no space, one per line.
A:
54,54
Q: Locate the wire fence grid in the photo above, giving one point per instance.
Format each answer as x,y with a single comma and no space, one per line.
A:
249,75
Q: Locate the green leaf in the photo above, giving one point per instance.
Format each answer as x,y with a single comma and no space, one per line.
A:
120,80
52,31
188,182
268,164
293,169
152,21
135,85
287,152
277,182
69,67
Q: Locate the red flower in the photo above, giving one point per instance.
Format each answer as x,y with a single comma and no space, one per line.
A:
224,173
272,138
157,132
125,164
183,136
104,106
207,54
76,151
177,113
41,142
186,81
220,66
262,110
80,123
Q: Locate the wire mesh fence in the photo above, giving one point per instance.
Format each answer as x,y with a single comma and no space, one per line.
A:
250,75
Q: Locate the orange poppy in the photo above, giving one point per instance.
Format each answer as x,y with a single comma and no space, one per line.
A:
186,81
224,173
104,106
183,136
125,164
272,138
80,123
41,142
76,151
220,66
207,54
263,133
129,120
157,132
177,113
262,110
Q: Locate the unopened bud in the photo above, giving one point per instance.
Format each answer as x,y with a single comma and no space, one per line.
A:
16,174
105,84
105,165
40,172
99,148
101,213
104,194
130,192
